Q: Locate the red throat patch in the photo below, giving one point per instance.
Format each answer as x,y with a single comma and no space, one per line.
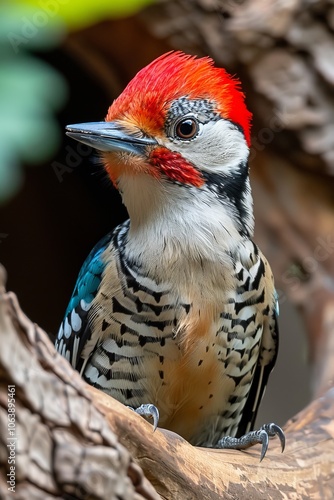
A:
174,166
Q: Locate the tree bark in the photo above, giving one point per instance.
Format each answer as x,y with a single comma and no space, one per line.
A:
73,441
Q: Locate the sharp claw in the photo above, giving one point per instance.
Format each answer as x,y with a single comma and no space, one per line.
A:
148,410
265,442
154,413
281,436
275,430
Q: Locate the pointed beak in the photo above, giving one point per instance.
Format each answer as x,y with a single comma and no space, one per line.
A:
108,137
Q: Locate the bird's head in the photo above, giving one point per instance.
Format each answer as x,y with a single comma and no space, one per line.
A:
178,135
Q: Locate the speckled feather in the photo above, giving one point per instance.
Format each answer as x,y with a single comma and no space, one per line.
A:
135,345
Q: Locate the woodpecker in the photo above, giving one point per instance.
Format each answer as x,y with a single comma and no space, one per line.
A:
174,312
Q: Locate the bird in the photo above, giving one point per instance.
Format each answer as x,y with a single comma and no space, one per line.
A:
174,312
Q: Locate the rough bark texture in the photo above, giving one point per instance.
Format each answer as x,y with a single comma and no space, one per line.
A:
74,441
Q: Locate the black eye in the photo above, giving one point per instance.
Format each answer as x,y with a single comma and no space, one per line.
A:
186,128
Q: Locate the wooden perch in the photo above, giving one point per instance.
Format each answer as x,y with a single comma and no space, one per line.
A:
74,441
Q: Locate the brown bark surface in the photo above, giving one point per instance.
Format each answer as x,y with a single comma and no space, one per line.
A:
75,440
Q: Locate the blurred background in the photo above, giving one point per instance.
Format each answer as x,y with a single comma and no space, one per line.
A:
64,61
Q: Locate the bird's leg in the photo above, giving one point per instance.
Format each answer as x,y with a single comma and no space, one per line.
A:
148,410
254,437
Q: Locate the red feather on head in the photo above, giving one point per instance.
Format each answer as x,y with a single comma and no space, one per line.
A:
146,99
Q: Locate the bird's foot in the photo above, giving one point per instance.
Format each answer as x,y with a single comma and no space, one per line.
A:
254,437
148,410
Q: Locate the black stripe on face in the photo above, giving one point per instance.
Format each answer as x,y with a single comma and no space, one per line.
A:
232,187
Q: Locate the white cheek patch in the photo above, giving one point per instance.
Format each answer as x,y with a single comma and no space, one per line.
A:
219,145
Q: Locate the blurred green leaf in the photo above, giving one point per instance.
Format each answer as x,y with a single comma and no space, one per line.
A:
26,27
30,93
76,13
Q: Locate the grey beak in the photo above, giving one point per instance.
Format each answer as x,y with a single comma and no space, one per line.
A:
109,136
